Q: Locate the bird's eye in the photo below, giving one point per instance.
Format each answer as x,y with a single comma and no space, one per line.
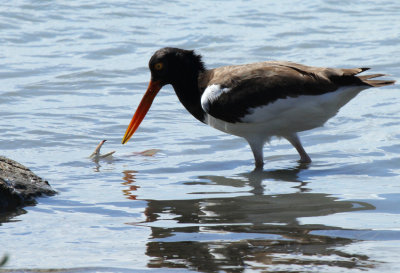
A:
158,66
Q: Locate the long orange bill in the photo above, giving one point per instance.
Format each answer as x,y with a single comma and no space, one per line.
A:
141,111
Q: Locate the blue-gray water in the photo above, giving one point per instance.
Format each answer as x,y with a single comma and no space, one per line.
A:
72,74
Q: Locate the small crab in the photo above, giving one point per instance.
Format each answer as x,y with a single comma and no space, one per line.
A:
96,154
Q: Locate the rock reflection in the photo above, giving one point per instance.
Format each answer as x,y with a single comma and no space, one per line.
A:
8,216
256,231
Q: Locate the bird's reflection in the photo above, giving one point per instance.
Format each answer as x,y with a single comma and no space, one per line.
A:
253,230
130,180
254,179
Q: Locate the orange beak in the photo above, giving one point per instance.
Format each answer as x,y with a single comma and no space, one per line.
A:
143,108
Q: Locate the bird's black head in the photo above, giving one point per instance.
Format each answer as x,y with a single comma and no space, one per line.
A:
172,65
168,65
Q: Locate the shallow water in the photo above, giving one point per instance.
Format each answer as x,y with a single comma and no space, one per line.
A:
72,74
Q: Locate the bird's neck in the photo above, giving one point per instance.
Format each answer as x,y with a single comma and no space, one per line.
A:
189,95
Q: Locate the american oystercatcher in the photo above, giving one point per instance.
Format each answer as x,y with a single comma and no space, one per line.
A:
255,101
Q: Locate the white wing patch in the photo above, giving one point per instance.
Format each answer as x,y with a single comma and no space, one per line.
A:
211,94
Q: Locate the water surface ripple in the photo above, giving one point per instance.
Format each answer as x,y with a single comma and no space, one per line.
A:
72,74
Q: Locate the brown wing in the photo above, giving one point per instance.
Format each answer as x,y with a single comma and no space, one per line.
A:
259,84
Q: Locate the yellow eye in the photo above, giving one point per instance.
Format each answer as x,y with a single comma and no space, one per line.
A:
158,66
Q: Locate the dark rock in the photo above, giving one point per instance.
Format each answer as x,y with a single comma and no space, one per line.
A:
19,186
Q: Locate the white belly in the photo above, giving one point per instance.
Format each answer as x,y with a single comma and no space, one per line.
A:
287,116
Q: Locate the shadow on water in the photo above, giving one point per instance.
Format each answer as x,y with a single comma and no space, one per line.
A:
252,231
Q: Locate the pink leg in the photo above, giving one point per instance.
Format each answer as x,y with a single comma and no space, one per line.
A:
295,141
